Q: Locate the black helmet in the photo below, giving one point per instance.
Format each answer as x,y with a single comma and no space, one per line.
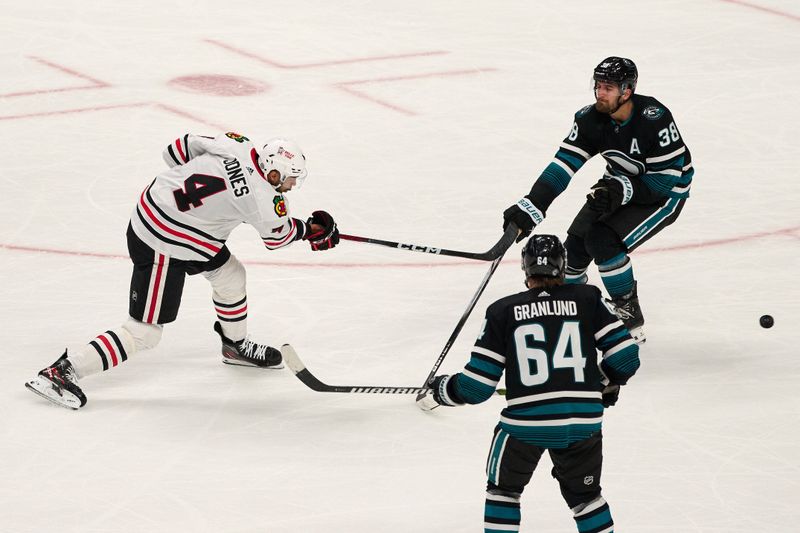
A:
617,70
544,255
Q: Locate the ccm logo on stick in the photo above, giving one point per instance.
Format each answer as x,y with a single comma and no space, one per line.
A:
416,248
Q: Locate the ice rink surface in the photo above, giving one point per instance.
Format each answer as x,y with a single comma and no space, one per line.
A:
421,121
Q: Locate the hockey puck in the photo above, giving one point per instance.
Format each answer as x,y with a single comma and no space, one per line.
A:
766,321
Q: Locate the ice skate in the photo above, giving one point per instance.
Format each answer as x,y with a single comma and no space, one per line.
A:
248,353
627,309
58,384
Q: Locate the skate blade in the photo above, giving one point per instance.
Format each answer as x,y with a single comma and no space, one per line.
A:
47,390
237,362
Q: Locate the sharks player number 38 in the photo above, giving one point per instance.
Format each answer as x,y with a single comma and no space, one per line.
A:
644,187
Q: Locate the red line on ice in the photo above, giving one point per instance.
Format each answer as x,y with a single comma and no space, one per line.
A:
764,9
793,231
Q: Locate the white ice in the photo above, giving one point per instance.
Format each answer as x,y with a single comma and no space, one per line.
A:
422,121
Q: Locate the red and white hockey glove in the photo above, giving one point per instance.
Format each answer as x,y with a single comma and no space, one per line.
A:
323,233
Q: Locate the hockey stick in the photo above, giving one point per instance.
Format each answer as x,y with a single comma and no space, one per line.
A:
463,320
312,382
296,365
493,253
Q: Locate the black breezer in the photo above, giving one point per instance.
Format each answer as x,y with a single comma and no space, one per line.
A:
576,468
172,276
601,238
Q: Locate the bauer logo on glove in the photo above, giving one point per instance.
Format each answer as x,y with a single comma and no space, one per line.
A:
322,231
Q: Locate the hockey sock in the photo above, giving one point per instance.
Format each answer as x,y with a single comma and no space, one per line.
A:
113,347
617,275
233,318
501,513
575,276
593,516
229,284
105,351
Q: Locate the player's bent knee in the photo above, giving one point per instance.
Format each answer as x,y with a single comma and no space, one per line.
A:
603,243
597,501
577,256
145,336
580,500
230,279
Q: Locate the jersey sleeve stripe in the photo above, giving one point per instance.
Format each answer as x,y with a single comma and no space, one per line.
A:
479,378
180,151
666,157
172,155
575,163
568,169
490,354
572,148
614,325
621,346
186,146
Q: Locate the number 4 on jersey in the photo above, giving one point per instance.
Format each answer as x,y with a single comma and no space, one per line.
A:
197,187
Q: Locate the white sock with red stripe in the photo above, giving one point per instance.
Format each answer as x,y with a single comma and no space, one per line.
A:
233,318
105,351
114,347
230,297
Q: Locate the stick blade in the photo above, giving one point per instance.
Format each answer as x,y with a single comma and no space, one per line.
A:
292,359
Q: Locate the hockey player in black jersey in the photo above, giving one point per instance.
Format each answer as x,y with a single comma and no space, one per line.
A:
546,340
646,182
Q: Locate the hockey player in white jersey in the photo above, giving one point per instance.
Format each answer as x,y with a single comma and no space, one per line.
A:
178,228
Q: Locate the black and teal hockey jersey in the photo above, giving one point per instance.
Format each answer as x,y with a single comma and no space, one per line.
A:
547,341
646,153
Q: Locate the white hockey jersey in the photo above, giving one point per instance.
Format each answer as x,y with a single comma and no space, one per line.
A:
212,186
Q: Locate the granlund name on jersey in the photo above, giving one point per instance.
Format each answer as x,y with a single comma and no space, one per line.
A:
212,186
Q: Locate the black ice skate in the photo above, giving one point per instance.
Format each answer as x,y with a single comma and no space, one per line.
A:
627,309
58,384
248,353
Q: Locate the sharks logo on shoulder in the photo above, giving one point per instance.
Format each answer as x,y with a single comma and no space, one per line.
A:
584,110
622,164
653,112
280,205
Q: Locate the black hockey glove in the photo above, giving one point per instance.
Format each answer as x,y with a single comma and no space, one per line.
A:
325,238
523,214
606,196
610,394
443,391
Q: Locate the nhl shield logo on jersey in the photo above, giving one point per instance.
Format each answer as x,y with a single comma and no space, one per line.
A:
588,480
653,112
236,137
280,205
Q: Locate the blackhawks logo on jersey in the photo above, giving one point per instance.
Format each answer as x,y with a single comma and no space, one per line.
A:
236,137
280,205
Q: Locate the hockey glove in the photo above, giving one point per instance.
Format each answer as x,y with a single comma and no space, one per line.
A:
610,394
606,196
444,392
523,214
326,235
